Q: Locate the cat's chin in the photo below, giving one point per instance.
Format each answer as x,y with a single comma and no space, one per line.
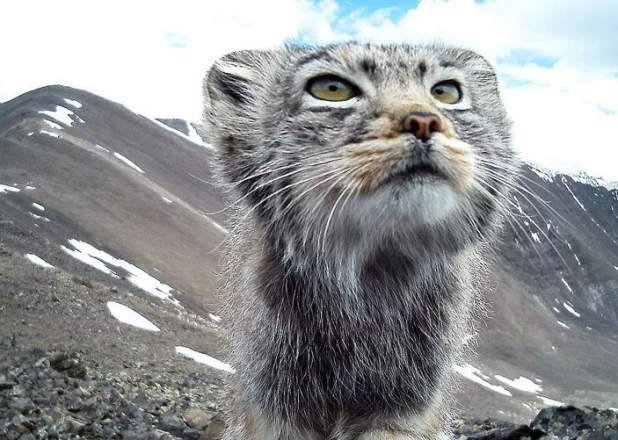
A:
413,202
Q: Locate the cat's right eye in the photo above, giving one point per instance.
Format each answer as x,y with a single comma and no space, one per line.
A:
331,88
447,92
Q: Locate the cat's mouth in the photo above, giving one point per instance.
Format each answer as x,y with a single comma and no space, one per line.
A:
417,169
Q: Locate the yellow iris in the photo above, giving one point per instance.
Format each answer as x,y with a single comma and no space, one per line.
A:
331,88
447,92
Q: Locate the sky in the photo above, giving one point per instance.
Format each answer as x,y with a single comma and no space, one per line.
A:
557,60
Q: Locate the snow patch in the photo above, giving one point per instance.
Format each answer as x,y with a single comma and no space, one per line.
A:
196,138
204,359
49,133
521,384
577,259
61,114
535,236
129,316
38,217
576,199
556,309
39,261
166,200
571,309
30,187
215,318
567,285
563,325
541,174
6,189
53,124
73,103
475,375
128,162
39,207
99,259
550,402
199,141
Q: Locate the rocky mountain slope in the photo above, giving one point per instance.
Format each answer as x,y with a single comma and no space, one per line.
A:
126,211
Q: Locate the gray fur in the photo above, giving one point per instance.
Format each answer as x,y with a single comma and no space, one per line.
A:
351,285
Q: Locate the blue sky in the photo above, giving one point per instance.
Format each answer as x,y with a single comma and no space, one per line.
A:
396,9
558,61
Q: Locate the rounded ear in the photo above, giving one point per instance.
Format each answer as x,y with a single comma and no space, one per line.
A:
234,88
230,78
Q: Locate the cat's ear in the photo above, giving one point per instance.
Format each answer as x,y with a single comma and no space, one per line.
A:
234,78
233,89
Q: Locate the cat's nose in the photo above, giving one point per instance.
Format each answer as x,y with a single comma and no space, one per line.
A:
422,124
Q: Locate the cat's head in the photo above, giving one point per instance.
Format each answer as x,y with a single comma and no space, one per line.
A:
363,139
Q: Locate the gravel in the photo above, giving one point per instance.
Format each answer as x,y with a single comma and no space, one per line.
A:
60,396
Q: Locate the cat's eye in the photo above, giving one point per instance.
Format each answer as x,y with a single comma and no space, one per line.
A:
331,88
447,92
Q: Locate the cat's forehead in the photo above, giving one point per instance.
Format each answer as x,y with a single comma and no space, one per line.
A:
389,60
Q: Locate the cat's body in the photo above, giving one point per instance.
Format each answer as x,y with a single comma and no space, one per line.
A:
370,178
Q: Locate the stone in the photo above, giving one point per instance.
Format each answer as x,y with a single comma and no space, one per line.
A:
196,418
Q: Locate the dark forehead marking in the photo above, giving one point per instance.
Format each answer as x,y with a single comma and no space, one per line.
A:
312,56
447,63
368,66
422,68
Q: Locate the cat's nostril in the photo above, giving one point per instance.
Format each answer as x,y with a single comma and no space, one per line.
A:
422,124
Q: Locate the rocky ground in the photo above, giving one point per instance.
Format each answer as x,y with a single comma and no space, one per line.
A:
61,395
557,423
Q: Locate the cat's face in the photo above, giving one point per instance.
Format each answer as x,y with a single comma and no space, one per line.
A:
364,138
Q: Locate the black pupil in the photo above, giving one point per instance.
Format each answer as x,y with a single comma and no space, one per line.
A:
439,90
333,87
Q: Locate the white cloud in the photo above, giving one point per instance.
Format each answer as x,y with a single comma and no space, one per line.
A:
561,130
148,55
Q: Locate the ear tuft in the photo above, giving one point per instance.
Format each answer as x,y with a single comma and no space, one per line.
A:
233,78
234,91
222,85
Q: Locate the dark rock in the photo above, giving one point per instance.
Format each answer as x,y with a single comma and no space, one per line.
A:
6,385
172,426
70,364
577,423
191,434
63,361
508,433
23,405
74,426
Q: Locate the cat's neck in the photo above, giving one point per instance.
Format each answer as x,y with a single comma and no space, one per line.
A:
348,278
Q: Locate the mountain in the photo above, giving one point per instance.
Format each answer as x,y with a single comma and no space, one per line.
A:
127,211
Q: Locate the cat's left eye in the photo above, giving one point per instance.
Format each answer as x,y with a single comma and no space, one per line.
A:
331,88
447,92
